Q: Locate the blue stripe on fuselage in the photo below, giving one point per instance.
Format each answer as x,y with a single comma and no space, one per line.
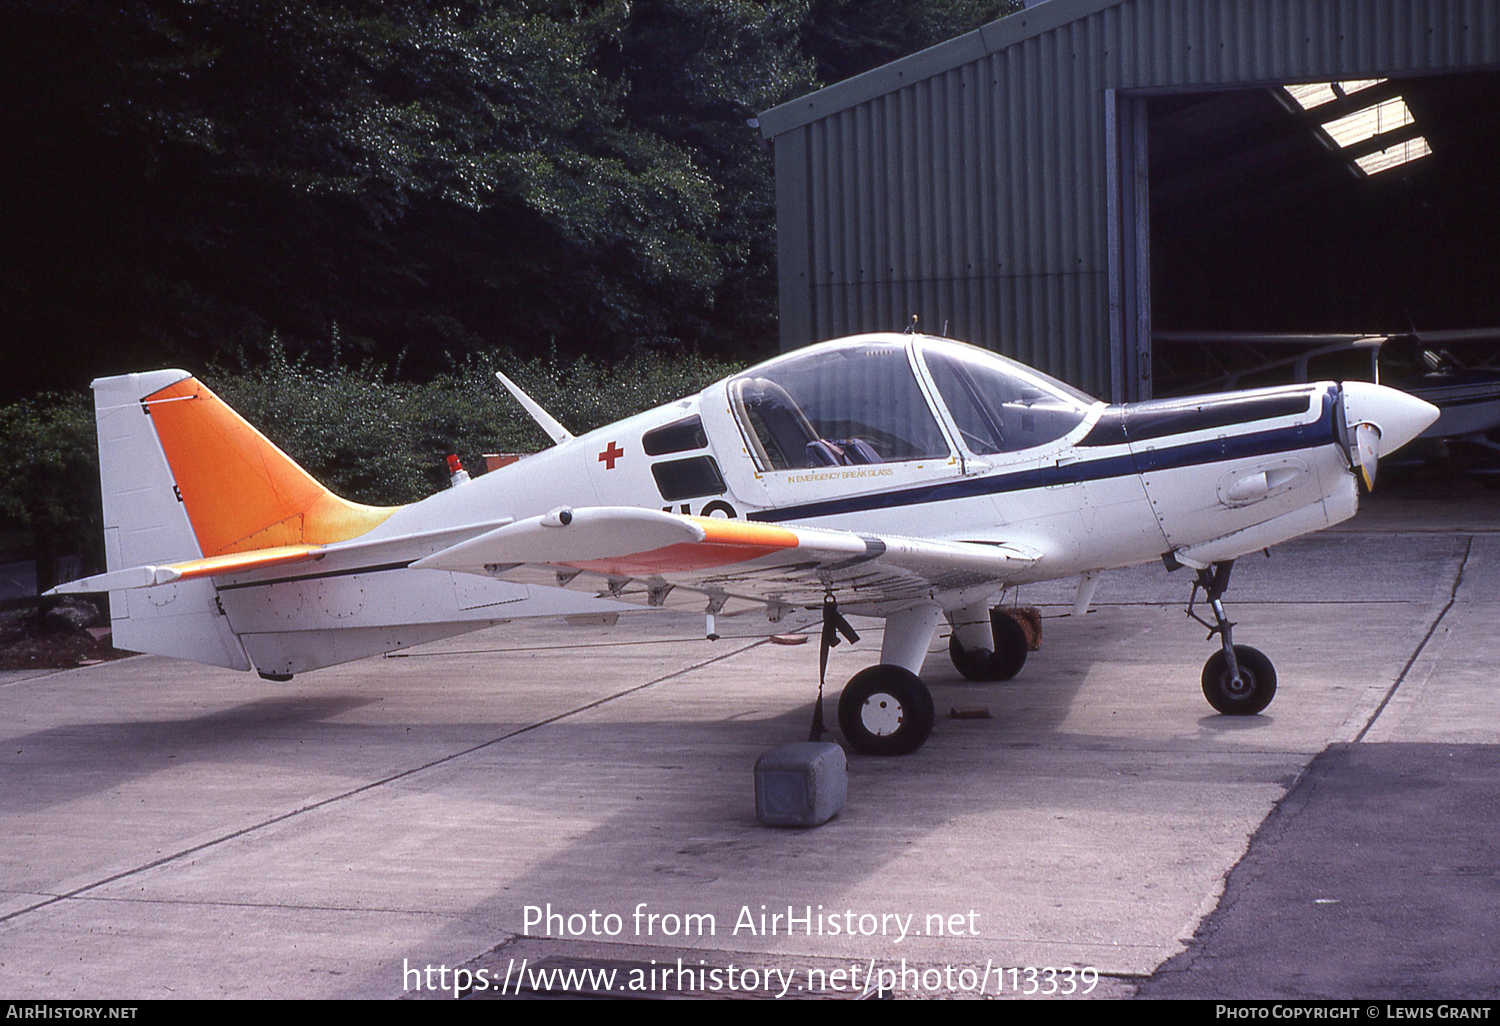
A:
1163,457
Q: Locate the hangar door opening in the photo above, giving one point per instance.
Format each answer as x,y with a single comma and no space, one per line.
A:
1296,218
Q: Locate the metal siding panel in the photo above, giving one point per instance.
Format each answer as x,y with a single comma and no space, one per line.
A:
871,186
837,196
978,193
825,253
1381,45
1484,22
991,186
1115,285
845,274
822,276
1326,35
956,187
948,227
920,174
867,120
1219,27
995,184
963,170
817,230
888,191
1354,31
1298,61
1074,195
1064,133
1036,184
1046,211
1080,360
793,286
890,224
965,317
852,288
902,221
1109,25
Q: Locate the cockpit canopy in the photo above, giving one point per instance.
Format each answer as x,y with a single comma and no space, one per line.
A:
866,400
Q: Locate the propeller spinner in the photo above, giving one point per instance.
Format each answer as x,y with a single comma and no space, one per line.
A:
1379,421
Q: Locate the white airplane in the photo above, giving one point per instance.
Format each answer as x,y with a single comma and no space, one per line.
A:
898,476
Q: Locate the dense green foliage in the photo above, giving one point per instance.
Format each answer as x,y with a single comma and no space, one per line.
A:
846,37
49,479
400,185
363,436
188,179
196,176
380,442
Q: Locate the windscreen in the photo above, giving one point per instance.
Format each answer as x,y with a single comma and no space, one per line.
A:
1000,405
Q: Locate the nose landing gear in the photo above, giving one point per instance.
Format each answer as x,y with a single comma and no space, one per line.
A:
1237,680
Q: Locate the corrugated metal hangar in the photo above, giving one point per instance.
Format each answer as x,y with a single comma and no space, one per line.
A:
1063,183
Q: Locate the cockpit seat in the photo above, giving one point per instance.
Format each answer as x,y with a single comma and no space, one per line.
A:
841,453
781,431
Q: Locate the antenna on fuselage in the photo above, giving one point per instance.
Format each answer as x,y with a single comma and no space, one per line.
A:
911,329
545,421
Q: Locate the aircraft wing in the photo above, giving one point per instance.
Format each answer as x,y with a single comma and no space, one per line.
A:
662,558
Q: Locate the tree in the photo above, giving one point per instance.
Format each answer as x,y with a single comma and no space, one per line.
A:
847,37
697,72
195,176
190,179
50,472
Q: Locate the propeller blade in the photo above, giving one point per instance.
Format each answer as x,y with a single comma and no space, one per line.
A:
1367,451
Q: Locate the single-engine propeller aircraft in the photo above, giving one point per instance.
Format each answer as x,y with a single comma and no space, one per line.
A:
899,476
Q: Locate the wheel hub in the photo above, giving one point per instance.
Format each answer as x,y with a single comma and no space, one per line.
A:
881,714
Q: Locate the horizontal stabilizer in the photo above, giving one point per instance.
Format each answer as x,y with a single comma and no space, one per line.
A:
213,566
118,580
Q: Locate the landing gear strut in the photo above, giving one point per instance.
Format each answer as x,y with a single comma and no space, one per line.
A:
884,709
834,624
1237,680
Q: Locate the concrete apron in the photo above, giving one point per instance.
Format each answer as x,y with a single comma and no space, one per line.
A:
174,830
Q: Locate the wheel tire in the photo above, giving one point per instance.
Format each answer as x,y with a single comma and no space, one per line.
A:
886,710
1258,682
1004,663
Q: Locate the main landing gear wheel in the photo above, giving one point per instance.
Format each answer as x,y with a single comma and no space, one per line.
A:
1004,662
1246,696
886,710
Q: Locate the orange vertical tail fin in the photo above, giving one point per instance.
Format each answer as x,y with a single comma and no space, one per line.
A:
240,491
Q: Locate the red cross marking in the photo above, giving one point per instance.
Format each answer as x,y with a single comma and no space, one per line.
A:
609,455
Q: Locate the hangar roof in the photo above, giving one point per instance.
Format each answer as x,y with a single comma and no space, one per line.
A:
945,56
